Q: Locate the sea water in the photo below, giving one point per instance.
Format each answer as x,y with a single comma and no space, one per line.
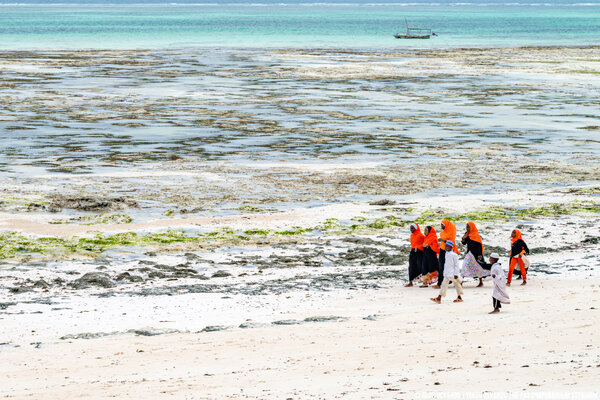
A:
127,25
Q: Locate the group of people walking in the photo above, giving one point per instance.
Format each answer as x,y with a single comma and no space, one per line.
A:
435,260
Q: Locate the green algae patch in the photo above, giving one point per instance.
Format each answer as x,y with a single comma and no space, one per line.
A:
15,203
558,209
168,237
21,200
15,244
255,209
257,232
509,213
295,231
389,221
585,71
18,245
435,214
330,224
98,219
221,234
587,190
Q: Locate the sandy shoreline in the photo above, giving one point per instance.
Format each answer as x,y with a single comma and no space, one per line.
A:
544,343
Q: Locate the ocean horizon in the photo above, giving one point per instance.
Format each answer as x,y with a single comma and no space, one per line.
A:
65,25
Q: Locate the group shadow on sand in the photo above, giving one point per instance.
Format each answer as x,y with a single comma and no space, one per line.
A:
434,261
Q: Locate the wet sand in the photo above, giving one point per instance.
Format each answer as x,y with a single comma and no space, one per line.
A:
544,343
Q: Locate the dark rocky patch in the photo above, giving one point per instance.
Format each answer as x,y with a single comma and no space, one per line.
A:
330,318
19,289
372,256
382,202
214,328
41,284
126,276
4,306
152,332
99,279
287,322
221,274
156,275
58,281
89,203
249,325
591,240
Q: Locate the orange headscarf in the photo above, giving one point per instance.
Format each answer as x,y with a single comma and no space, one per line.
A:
432,241
449,233
417,238
517,236
474,234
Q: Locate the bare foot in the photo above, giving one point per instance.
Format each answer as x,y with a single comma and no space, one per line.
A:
507,283
436,286
435,300
524,283
494,312
409,284
480,283
458,300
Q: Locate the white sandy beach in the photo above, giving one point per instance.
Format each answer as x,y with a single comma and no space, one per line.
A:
544,345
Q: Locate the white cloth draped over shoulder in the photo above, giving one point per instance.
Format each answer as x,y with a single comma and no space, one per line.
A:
500,292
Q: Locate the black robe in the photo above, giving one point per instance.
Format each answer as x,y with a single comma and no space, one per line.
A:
430,261
415,263
517,247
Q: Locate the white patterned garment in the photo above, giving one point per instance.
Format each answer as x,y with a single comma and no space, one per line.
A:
500,292
472,269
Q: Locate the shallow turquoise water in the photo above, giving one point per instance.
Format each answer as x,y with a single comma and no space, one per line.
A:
308,25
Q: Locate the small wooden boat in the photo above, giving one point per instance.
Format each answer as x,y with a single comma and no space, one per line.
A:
415,33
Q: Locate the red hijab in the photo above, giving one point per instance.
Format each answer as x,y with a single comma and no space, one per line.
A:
474,234
416,238
449,233
517,236
431,240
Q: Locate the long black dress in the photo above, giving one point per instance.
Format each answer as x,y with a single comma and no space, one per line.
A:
415,263
430,261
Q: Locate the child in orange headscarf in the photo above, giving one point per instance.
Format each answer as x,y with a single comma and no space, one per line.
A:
415,259
448,233
430,262
518,248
